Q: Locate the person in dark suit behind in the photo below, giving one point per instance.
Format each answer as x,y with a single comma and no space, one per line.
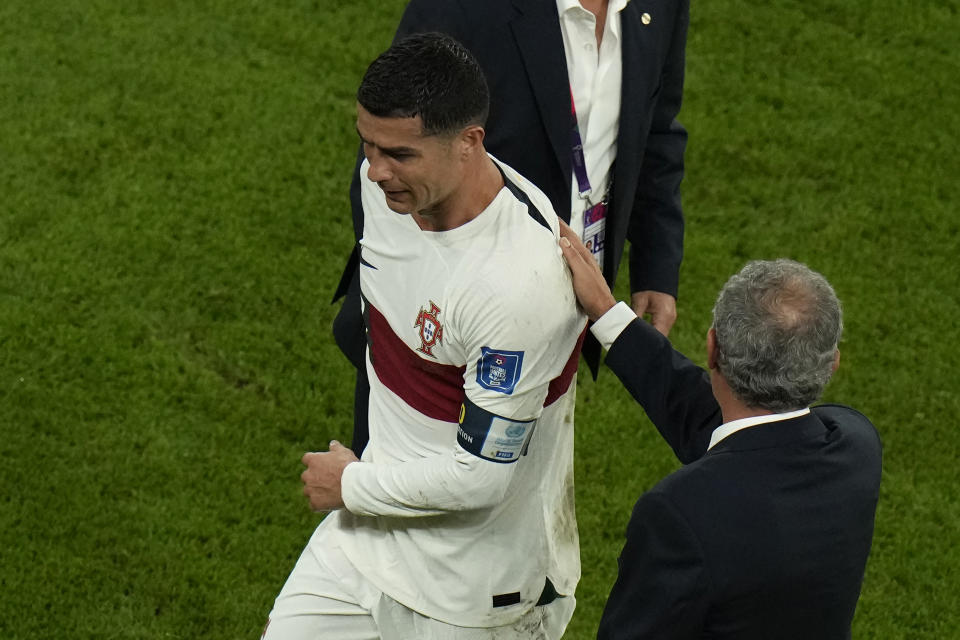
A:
619,65
765,532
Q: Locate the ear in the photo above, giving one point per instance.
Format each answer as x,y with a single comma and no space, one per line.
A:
471,140
836,361
712,348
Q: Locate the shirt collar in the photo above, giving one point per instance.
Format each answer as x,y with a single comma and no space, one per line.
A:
615,6
729,428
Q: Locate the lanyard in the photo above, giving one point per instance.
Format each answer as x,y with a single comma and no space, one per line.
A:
594,216
579,162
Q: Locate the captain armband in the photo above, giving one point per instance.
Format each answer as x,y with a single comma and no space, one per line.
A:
492,437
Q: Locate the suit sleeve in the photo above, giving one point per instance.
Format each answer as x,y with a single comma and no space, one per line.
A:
662,584
656,221
674,392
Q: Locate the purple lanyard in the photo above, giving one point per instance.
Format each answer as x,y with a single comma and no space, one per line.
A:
579,162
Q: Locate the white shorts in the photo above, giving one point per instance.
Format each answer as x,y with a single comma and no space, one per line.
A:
326,598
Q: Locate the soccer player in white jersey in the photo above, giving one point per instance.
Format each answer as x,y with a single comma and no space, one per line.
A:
458,522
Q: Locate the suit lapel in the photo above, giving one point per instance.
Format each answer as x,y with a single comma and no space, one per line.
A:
641,57
537,32
637,53
633,55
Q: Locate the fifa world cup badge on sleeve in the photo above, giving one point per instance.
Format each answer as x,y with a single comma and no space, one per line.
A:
498,369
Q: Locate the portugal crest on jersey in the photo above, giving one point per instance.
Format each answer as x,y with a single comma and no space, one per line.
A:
431,331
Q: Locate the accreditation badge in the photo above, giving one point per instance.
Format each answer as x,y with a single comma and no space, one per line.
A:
594,230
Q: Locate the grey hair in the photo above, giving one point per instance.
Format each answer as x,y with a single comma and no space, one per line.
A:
777,327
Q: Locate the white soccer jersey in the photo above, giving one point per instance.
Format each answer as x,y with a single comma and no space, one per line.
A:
477,325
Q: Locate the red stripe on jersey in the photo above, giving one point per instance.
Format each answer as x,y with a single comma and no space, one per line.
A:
560,384
433,389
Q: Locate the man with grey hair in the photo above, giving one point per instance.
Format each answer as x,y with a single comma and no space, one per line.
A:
765,532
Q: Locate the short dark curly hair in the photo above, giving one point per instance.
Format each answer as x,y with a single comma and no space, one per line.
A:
430,75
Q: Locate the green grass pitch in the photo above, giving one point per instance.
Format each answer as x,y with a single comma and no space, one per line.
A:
173,220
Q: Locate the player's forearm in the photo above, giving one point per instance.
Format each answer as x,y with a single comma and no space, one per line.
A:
429,486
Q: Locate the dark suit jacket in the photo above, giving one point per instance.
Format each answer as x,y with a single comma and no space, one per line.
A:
764,536
519,45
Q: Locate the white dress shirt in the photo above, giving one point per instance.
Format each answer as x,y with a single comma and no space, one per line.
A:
595,77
